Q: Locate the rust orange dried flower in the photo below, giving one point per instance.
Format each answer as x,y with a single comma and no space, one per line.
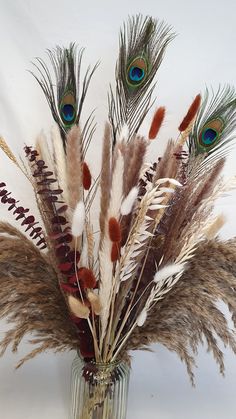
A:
193,109
87,277
115,251
156,123
87,178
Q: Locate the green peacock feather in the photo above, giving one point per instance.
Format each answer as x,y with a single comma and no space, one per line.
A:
66,95
142,45
213,128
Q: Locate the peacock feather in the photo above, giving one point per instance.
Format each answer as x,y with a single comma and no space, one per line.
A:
66,95
142,45
215,123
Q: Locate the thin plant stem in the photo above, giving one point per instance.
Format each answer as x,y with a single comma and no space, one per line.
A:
123,342
76,273
96,349
129,307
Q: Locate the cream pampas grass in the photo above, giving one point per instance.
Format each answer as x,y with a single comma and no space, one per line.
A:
73,166
59,161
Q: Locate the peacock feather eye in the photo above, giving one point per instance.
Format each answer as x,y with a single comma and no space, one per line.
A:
210,134
137,72
68,109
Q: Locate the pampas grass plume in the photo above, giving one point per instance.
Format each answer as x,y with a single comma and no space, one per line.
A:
127,204
124,134
212,230
78,220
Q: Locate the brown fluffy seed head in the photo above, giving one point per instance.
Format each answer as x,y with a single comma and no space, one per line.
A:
190,115
87,178
114,230
156,123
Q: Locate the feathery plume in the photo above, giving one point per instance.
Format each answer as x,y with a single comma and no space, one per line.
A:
105,177
73,165
124,134
164,280
59,161
7,151
106,265
42,147
214,227
156,123
190,115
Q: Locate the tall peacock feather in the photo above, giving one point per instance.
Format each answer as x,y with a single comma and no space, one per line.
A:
142,45
66,96
215,123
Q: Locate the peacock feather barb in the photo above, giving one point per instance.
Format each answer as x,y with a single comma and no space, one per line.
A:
142,46
67,94
156,269
214,126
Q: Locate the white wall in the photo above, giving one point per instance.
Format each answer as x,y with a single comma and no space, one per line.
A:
202,54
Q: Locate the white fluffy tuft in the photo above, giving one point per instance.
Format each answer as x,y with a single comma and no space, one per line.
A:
168,271
78,220
142,318
127,204
170,180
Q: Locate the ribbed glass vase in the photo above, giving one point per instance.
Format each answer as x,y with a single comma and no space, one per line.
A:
99,391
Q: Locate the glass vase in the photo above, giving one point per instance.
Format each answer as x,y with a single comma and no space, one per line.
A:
99,391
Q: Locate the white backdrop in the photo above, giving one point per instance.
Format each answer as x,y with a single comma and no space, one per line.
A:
202,54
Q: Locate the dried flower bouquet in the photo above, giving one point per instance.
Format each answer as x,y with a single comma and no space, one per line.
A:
157,270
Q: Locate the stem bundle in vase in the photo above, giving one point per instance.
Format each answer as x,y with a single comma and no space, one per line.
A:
151,268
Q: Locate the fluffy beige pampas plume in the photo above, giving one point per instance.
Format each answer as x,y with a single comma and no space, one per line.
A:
73,165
